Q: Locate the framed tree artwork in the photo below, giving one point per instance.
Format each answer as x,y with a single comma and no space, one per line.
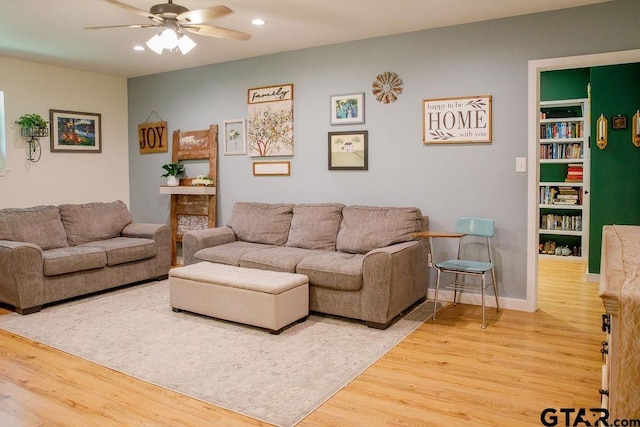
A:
270,121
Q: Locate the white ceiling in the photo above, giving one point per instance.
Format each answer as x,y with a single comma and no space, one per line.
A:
51,31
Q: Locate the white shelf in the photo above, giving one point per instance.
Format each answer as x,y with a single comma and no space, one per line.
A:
562,140
191,190
568,257
560,184
558,206
561,160
560,232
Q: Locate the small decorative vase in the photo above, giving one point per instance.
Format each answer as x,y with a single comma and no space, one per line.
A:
173,181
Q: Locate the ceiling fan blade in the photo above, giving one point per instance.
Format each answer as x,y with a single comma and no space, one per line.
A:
122,26
136,10
211,31
199,16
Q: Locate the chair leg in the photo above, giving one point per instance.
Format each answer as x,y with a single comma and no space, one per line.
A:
483,286
455,289
495,288
435,296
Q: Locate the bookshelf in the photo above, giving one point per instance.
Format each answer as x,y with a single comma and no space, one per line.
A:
563,202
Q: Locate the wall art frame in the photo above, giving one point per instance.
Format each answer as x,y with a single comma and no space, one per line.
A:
234,137
347,109
75,132
462,120
270,121
272,168
348,150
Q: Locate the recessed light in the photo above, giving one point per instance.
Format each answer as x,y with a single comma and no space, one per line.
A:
138,47
258,21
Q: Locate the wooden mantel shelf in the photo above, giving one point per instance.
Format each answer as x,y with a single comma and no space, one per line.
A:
189,189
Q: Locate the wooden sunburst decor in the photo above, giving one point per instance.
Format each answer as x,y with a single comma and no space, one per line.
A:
386,87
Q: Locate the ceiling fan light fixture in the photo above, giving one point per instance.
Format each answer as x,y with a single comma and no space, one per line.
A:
185,44
169,38
155,44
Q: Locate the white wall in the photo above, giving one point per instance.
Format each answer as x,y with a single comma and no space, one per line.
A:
63,177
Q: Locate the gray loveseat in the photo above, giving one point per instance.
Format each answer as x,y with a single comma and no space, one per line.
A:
51,253
362,262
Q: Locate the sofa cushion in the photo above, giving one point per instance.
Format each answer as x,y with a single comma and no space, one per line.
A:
94,221
261,222
72,259
365,228
229,253
315,226
333,270
124,249
40,225
276,259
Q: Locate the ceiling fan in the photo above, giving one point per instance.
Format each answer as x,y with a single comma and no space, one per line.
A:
174,20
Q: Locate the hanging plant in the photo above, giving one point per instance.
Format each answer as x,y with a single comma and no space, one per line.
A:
34,120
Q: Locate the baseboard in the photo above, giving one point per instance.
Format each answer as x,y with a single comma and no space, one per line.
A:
593,277
476,299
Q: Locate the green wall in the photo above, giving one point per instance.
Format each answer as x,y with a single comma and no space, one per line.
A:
615,170
564,84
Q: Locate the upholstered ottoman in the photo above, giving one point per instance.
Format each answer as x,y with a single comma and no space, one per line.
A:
262,298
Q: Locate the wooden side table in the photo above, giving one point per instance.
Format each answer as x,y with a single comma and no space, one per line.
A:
431,234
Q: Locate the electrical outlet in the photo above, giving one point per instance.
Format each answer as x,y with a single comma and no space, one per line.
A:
521,164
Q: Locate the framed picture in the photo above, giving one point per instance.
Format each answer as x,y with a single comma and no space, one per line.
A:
619,122
271,168
463,120
349,150
347,109
234,137
75,132
270,121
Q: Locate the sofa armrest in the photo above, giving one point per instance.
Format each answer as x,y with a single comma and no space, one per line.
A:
193,241
394,277
161,234
21,275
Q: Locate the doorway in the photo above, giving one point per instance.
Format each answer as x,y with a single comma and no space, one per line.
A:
535,68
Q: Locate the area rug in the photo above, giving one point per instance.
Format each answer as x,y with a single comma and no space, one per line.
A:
278,379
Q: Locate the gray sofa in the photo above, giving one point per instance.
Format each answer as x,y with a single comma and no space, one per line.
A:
51,253
362,262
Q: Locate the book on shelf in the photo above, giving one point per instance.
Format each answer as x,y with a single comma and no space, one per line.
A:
561,222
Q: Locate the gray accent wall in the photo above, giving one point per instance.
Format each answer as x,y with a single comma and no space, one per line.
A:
446,181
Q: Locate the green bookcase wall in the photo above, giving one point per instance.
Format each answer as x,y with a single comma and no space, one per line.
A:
615,171
554,86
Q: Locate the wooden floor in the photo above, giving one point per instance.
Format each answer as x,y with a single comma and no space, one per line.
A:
448,372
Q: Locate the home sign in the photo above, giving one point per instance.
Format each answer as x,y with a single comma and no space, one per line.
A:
457,120
153,137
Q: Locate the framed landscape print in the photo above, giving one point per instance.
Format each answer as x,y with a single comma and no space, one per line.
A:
348,150
75,132
347,109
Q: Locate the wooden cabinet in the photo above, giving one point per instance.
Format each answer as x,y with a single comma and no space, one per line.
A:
193,207
563,202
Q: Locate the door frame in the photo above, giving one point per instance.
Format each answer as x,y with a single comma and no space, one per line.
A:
535,68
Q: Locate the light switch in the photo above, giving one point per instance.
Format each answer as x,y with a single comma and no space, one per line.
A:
521,164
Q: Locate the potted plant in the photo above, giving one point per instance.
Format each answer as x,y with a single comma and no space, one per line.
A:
33,125
174,170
